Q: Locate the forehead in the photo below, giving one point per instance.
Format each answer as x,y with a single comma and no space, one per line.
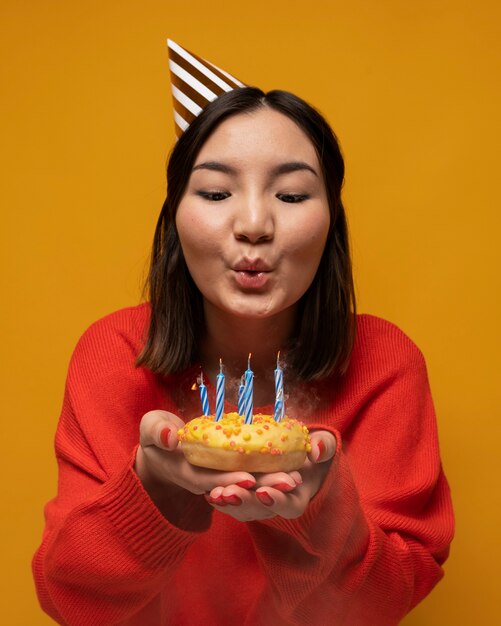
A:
263,134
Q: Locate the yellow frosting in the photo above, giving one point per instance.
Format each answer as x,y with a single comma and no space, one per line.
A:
264,435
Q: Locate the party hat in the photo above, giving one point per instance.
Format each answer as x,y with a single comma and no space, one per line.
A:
195,83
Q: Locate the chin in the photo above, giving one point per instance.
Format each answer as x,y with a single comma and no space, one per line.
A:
252,313
246,307
255,308
249,306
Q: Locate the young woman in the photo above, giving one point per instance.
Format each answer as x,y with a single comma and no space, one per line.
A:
250,255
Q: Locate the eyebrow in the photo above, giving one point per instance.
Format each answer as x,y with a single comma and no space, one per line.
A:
283,168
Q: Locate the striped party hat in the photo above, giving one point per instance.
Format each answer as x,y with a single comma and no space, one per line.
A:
195,83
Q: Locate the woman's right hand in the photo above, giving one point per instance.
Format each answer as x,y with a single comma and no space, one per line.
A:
160,463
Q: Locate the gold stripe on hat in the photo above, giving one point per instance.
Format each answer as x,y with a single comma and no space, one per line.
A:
188,91
215,87
220,77
227,78
180,124
222,74
186,115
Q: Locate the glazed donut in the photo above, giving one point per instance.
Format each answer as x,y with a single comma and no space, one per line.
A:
231,445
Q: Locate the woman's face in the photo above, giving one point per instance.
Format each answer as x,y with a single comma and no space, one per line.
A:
254,217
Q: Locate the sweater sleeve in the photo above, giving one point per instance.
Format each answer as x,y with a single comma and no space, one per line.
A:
371,543
106,549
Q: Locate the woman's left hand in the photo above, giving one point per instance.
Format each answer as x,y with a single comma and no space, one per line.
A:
280,493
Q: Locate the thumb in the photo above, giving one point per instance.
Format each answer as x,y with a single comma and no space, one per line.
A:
159,428
323,446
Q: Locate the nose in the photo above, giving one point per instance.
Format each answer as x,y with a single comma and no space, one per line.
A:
254,221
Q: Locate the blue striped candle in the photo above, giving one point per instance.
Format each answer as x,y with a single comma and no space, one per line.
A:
203,396
220,392
279,405
248,393
241,407
279,391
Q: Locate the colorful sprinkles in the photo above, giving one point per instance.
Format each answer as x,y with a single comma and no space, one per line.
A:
265,435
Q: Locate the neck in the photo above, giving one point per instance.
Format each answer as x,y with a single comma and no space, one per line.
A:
232,339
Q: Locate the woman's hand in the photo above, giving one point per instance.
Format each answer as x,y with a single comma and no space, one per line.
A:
161,463
283,494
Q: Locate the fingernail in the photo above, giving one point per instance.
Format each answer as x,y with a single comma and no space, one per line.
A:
265,498
217,501
283,487
234,500
246,484
298,481
164,436
321,450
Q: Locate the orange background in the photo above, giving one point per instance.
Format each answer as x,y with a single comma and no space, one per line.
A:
411,89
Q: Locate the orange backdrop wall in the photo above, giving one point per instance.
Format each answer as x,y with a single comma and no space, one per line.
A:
412,91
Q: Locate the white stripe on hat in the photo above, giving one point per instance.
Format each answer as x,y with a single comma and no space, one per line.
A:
180,121
186,101
194,104
227,74
199,66
192,81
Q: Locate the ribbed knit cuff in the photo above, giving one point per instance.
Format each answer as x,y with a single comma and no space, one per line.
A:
153,538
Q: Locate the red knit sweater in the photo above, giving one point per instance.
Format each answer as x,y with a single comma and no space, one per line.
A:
369,546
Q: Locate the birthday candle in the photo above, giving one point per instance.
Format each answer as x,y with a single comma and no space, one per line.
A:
248,393
241,388
279,392
279,405
203,396
220,392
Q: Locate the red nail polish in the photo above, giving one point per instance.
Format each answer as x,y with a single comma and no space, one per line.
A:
217,501
265,498
246,484
283,487
321,450
164,436
234,500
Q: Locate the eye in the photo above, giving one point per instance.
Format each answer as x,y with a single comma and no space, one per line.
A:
213,196
292,197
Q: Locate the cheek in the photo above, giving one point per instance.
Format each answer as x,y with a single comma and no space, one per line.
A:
199,233
193,244
307,240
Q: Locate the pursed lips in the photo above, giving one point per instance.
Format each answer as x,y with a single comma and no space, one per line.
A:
254,266
252,274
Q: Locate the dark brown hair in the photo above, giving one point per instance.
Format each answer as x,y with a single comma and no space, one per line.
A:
325,326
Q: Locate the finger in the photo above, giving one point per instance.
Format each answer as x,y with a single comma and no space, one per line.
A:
234,495
243,505
206,480
273,498
296,477
159,428
231,495
286,505
278,480
215,497
246,509
323,446
217,493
